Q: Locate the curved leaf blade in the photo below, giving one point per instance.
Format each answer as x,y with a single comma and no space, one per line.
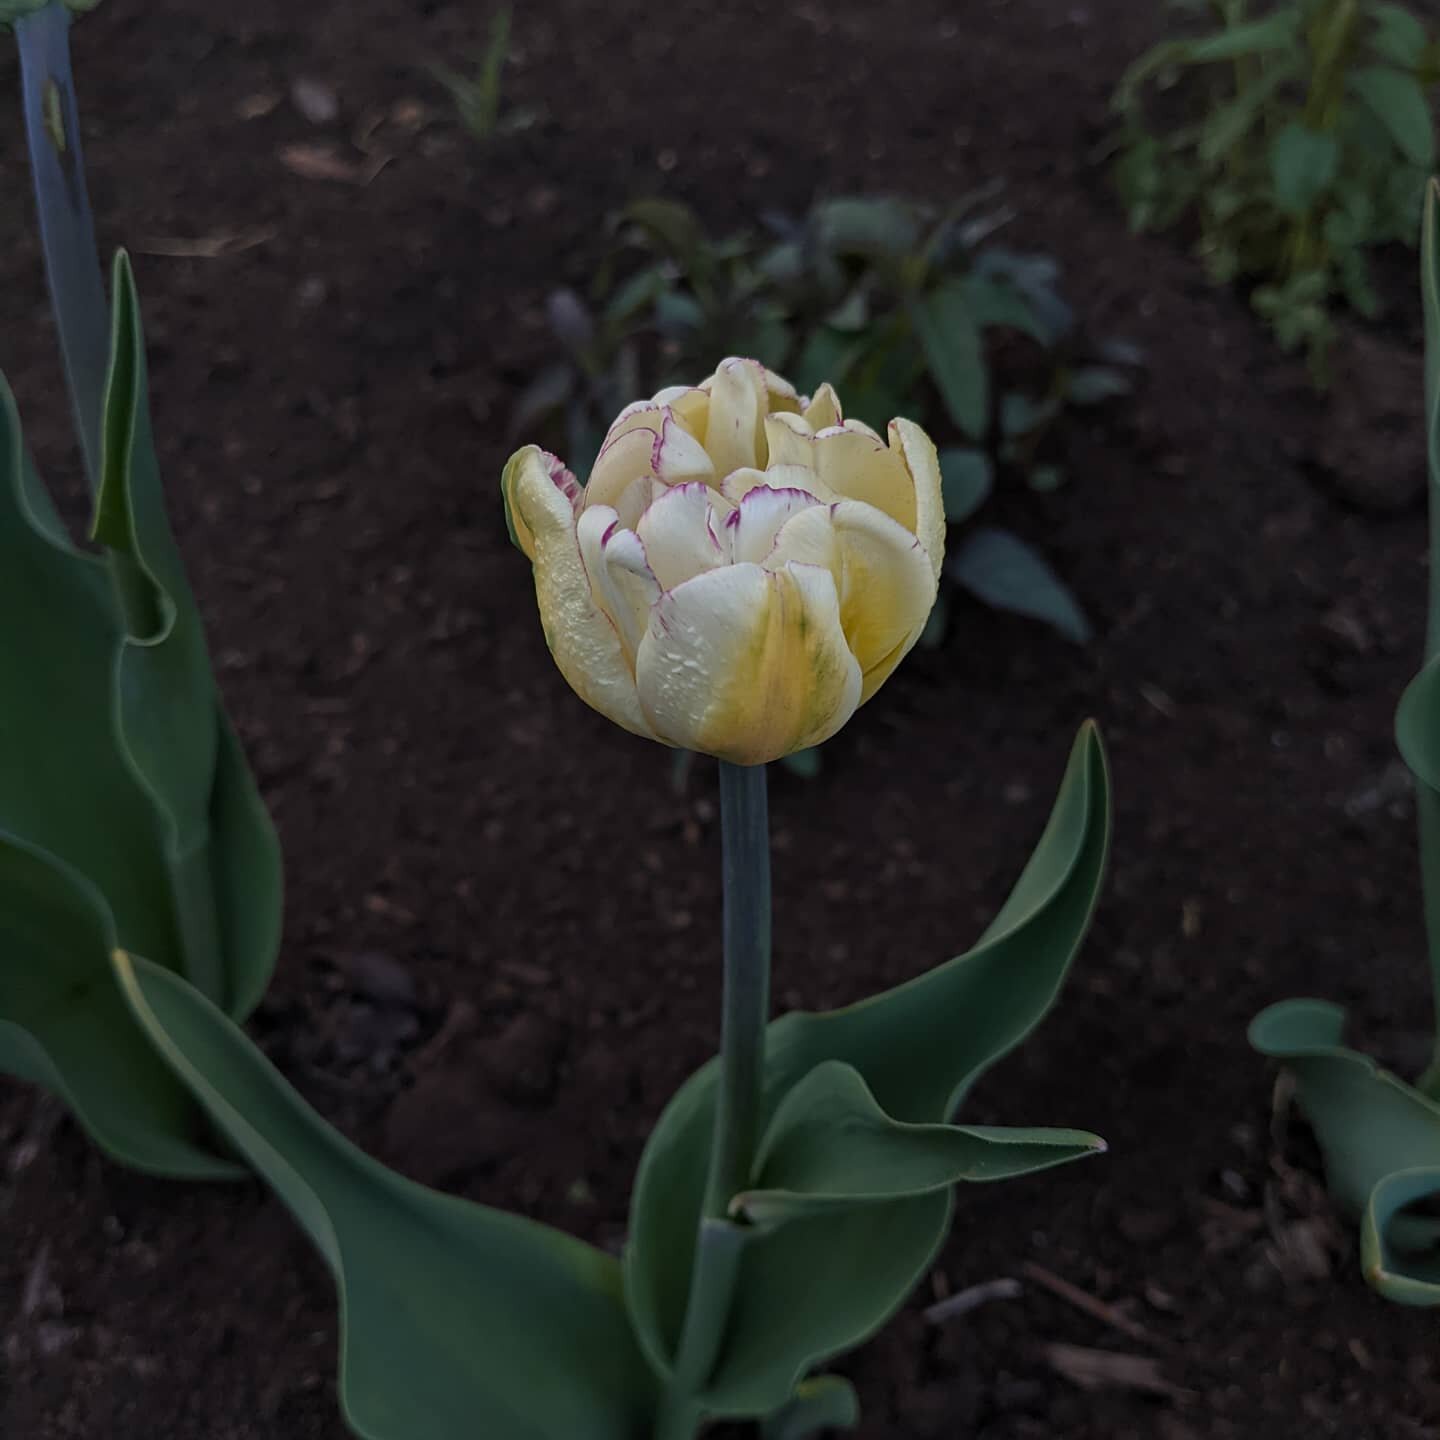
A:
918,1048
830,1146
1398,101
1380,1139
1008,574
453,1314
65,1025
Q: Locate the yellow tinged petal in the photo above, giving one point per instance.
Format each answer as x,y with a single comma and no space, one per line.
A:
886,586
734,433
748,664
560,477
918,452
584,642
823,411
855,463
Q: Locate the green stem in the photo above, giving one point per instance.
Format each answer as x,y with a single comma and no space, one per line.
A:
745,852
67,230
745,861
1427,800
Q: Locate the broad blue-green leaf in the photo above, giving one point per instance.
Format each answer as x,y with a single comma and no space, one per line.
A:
169,718
966,478
57,661
917,1048
955,354
875,227
65,1025
1303,163
81,701
1417,725
1398,102
825,1402
457,1320
829,1147
1398,36
1229,124
1003,571
1380,1139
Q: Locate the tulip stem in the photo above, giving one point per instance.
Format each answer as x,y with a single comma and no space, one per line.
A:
745,869
67,230
745,862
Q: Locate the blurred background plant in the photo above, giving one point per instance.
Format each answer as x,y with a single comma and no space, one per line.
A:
476,93
906,309
1294,138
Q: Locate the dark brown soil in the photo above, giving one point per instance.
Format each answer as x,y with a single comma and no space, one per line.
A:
486,880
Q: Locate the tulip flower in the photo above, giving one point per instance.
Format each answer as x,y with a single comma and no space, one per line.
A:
744,567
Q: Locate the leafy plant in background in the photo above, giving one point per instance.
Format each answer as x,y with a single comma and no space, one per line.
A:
476,95
1296,137
128,817
1379,1135
905,309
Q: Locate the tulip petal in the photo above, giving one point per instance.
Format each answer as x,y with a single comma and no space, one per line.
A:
790,440
856,464
560,477
622,460
739,483
886,585
752,528
584,642
620,579
748,664
679,534
734,428
690,405
917,451
823,411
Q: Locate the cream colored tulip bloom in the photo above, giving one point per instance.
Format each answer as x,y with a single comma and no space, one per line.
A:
744,568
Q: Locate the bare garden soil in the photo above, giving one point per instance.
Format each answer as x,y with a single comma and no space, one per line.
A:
501,951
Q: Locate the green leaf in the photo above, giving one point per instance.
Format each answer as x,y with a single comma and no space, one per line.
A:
956,356
1003,571
804,763
995,303
1417,725
918,1049
674,227
1094,384
1398,102
169,718
829,1147
966,478
453,1315
57,663
1380,1139
1256,37
1303,163
1398,36
872,227
65,1025
825,1402
1228,125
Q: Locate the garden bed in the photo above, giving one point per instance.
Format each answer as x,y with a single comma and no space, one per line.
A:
502,949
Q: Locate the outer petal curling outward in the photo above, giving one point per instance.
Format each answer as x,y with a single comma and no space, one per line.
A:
921,460
584,642
748,664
